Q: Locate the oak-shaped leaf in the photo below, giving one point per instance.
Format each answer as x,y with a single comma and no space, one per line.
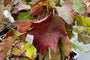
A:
6,2
66,12
7,43
47,32
20,6
24,25
24,49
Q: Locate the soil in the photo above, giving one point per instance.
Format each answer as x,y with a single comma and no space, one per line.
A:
4,22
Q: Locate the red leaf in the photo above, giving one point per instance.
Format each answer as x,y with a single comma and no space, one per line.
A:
66,12
6,2
24,25
36,10
47,32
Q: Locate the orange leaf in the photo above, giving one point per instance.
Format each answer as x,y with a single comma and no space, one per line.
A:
6,2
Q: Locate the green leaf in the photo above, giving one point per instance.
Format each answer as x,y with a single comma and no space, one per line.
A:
83,21
69,30
24,15
24,58
77,46
24,49
30,50
79,5
54,56
83,35
28,1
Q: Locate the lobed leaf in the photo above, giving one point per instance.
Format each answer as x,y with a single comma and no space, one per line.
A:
47,32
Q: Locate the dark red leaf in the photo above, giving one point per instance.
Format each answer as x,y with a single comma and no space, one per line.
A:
47,32
36,10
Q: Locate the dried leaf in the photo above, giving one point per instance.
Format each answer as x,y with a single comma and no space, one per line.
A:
7,43
65,46
47,32
79,6
25,50
66,12
24,25
20,6
6,2
34,2
83,35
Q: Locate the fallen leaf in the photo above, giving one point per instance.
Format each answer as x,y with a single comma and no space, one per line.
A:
79,6
34,2
5,47
13,33
20,6
47,32
24,25
65,46
36,10
6,2
66,12
77,46
24,15
25,50
7,43
84,21
83,35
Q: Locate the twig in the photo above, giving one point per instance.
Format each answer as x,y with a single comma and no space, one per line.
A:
49,53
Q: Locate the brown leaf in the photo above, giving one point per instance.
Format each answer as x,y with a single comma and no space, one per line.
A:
66,12
47,32
20,6
5,46
6,2
65,46
7,43
24,25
